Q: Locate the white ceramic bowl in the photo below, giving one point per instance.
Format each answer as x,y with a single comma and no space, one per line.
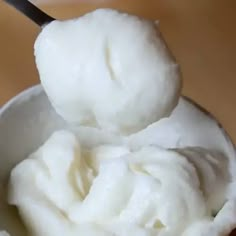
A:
28,120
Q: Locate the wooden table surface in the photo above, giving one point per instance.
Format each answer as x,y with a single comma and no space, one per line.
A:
201,34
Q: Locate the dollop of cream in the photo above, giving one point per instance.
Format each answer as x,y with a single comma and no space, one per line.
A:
65,189
109,70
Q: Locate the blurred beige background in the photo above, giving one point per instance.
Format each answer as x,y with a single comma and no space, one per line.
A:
201,34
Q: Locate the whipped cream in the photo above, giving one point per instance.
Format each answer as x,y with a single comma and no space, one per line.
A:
110,190
109,70
112,72
4,233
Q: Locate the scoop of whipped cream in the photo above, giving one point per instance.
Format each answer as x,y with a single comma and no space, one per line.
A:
108,69
63,189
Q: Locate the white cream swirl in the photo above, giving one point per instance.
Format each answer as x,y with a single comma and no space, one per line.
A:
62,189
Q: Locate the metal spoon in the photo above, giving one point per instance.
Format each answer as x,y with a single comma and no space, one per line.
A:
31,11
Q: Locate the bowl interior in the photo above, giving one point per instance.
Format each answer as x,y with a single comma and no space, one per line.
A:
28,120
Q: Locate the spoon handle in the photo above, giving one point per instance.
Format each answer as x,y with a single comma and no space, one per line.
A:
31,11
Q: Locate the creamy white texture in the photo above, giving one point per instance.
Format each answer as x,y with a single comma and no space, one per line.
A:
110,190
108,69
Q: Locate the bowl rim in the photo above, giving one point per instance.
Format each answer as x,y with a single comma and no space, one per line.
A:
20,96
